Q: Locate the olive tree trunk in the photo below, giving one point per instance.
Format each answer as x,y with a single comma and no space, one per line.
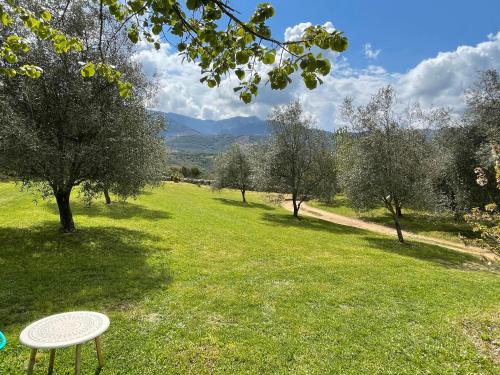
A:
393,209
106,196
243,191
296,206
65,214
398,228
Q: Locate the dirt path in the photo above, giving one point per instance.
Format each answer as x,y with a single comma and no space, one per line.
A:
377,228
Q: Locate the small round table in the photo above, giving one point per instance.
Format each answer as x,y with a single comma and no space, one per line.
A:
64,330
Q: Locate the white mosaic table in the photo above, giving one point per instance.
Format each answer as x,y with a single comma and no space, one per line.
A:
62,331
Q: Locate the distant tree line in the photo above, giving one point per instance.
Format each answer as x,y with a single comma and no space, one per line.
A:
185,172
386,154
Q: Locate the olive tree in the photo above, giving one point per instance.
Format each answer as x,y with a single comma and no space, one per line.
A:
386,160
135,156
233,169
64,130
486,220
483,113
483,106
463,145
299,160
210,33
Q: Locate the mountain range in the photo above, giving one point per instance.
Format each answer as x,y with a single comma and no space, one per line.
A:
195,142
181,125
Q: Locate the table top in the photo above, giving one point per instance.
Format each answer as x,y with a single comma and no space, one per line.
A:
63,330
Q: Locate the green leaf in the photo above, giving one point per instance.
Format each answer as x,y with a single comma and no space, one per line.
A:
278,79
339,43
46,16
157,29
269,58
263,12
6,20
136,5
88,70
323,66
296,48
9,72
242,57
124,88
240,74
30,71
246,97
10,57
192,4
310,80
133,34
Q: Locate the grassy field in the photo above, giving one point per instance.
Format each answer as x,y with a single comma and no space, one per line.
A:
425,223
195,282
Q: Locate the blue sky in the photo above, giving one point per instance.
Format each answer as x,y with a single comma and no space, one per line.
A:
406,31
429,51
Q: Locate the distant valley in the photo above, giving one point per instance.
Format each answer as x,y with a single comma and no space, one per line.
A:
194,142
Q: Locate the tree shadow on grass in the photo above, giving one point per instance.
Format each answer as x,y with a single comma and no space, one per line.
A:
430,253
116,211
235,203
98,268
288,220
423,223
412,220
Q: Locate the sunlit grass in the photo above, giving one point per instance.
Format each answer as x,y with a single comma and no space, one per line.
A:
197,282
432,224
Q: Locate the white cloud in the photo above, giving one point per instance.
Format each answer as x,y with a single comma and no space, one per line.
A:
371,53
294,33
440,80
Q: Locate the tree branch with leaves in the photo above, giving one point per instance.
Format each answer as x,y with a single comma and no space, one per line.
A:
209,33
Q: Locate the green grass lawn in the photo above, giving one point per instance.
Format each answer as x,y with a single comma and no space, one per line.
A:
195,282
438,225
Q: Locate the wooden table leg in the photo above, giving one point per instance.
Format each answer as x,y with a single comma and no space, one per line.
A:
100,357
78,356
31,364
51,361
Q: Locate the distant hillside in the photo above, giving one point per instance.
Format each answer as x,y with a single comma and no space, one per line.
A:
215,144
237,126
194,142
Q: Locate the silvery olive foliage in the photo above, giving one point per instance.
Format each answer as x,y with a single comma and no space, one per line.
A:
298,160
210,33
62,131
483,113
486,220
463,145
233,169
135,156
382,160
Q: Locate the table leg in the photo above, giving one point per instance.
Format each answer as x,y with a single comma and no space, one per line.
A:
78,356
51,361
100,357
31,364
